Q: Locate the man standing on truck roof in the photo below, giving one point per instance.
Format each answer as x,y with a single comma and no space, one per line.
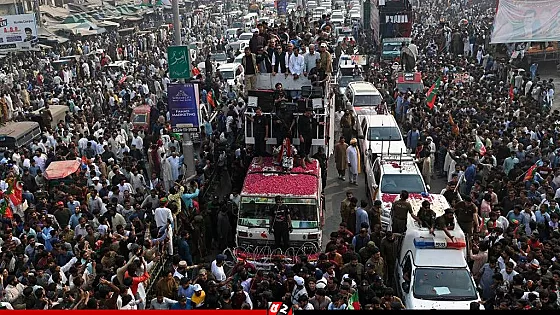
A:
326,59
401,208
260,132
280,224
46,116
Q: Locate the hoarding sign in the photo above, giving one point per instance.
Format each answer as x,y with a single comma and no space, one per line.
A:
183,101
18,32
179,62
281,7
527,21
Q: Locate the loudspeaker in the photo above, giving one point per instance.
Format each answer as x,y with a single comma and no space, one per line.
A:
266,99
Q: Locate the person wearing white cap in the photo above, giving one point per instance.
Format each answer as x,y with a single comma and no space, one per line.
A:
198,296
326,59
299,289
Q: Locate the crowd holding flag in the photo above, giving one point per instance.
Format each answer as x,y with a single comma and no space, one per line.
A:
432,94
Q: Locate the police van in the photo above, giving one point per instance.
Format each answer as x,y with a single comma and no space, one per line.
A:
389,174
431,270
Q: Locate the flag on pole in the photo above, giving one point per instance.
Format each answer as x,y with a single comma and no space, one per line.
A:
479,146
16,194
454,127
511,84
532,170
354,302
432,94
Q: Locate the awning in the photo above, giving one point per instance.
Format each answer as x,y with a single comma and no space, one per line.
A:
108,24
61,169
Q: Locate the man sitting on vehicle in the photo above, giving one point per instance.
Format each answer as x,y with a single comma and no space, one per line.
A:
446,222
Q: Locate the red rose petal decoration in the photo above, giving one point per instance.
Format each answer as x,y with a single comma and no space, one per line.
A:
267,179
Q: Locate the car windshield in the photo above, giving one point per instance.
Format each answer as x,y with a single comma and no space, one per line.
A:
367,100
245,36
344,80
395,183
384,134
227,74
140,118
443,284
304,216
220,57
391,46
404,87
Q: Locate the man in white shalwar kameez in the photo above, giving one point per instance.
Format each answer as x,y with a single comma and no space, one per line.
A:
166,173
175,162
353,156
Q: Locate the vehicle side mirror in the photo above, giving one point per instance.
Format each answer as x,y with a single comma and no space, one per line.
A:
405,287
428,188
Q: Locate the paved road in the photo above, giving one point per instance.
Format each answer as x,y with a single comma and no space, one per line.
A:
336,190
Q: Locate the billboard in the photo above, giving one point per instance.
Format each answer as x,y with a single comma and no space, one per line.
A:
184,109
527,21
17,32
281,7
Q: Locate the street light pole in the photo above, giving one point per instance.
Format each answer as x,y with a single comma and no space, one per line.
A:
188,146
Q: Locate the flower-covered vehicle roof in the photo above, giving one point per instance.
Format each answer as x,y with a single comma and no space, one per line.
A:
268,179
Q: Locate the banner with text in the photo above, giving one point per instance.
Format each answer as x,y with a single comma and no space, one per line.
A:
526,21
18,32
183,101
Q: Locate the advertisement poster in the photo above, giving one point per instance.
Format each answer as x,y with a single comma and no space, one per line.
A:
17,32
527,21
281,7
183,101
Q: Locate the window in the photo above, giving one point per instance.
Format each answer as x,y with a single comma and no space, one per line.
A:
395,183
227,74
384,134
442,284
254,214
376,172
367,100
140,118
407,269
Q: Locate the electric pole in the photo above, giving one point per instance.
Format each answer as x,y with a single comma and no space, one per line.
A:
188,146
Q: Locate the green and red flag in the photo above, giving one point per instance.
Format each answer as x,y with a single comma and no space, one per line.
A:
511,85
532,170
354,302
432,94
479,146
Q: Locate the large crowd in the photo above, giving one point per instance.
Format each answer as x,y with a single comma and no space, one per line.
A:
130,230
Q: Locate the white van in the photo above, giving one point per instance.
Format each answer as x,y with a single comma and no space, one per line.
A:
431,271
364,97
380,135
232,73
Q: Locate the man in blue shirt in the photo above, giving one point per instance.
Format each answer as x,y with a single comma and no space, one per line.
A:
183,304
516,215
470,174
184,248
361,216
186,289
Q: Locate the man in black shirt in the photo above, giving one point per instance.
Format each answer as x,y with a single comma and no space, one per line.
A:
280,224
260,132
305,128
446,222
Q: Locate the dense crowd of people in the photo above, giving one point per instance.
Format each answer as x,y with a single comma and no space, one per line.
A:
130,230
